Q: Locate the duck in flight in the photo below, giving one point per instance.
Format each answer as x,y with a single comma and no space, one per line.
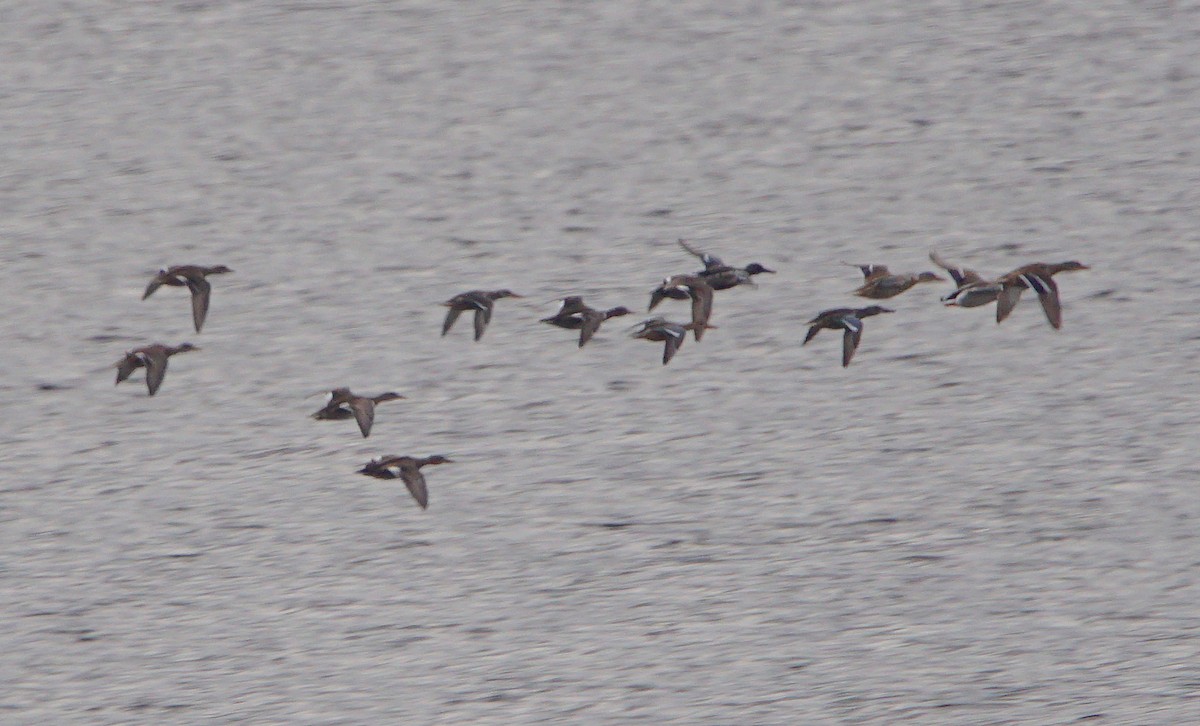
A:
691,286
342,404
880,284
154,359
1038,277
575,315
847,319
671,335
406,468
480,301
191,277
721,276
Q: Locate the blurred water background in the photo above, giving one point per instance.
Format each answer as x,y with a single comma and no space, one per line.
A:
971,524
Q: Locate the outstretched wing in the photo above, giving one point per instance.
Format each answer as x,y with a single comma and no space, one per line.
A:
156,369
451,315
1047,290
710,261
364,414
200,294
962,276
154,285
590,323
851,338
702,301
870,271
482,317
126,366
415,481
1008,298
674,339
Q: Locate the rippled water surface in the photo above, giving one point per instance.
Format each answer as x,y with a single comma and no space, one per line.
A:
971,524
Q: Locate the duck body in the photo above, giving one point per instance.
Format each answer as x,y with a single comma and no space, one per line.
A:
849,320
154,359
343,404
407,469
193,278
1038,277
479,301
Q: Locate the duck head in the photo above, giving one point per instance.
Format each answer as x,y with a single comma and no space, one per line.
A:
754,269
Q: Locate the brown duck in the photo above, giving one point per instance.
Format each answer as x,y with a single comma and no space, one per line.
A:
1038,277
575,315
879,283
480,301
406,468
343,404
191,277
671,335
154,359
847,319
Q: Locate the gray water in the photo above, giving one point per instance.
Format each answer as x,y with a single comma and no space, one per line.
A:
971,524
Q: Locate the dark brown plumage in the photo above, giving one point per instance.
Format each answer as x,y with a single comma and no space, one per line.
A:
481,301
847,319
575,315
407,469
154,359
191,277
343,404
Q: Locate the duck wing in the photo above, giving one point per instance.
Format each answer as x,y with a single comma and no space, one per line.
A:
589,323
710,261
1008,298
962,276
364,414
451,315
702,300
483,316
200,294
415,481
156,283
127,365
851,338
671,342
869,271
812,332
1047,290
156,369
657,295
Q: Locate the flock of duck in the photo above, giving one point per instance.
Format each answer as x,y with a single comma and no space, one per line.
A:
879,283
